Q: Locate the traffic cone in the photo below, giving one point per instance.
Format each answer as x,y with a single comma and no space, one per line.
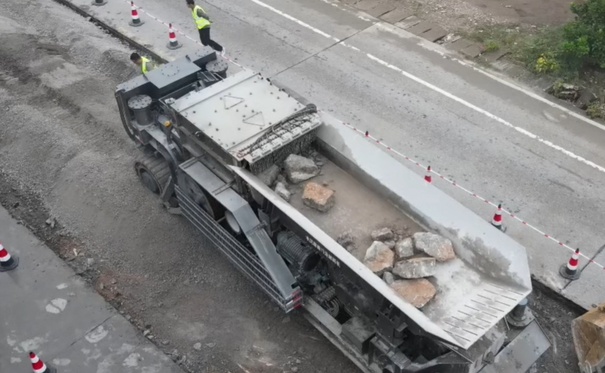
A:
38,365
428,177
172,43
136,21
7,262
570,270
497,219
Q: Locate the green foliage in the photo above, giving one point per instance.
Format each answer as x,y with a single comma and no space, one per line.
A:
584,38
491,46
596,110
546,64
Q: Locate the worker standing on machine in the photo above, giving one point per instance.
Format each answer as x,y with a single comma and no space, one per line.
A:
145,63
202,22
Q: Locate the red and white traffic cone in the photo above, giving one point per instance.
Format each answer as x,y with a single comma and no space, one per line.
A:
497,219
38,365
136,21
7,262
570,270
172,42
428,177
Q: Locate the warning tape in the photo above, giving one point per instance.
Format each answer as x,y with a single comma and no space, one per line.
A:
428,169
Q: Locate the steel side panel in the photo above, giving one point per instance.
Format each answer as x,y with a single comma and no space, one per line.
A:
249,223
521,353
331,329
346,258
497,256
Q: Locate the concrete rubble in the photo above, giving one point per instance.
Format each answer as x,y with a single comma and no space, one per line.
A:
405,263
388,278
588,333
299,169
434,245
269,176
405,248
383,234
318,197
346,240
379,258
282,191
415,268
417,292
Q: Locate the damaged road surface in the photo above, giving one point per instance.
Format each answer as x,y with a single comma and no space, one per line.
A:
66,172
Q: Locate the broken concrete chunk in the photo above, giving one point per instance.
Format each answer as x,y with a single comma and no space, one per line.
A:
417,292
390,244
379,258
388,278
415,268
299,169
405,248
318,197
269,176
383,234
588,333
434,245
282,191
345,239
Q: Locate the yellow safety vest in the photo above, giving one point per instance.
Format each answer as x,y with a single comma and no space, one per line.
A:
200,22
144,65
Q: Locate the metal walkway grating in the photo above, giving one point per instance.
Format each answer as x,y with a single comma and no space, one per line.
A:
480,312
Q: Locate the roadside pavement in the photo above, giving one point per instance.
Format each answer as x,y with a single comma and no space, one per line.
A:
48,309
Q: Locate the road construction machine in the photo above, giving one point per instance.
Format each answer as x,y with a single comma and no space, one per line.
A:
213,145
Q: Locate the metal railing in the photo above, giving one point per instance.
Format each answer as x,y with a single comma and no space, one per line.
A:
248,263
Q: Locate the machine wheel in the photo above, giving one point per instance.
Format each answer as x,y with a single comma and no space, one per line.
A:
153,173
199,196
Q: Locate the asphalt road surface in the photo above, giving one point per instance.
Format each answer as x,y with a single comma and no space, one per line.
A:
507,144
48,310
66,173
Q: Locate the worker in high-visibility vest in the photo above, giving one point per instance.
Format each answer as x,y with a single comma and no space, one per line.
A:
145,63
202,22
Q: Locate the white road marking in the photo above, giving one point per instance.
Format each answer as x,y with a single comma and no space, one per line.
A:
456,98
97,334
295,20
488,114
56,305
61,362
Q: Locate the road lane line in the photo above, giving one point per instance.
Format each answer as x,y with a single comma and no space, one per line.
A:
452,182
295,20
437,89
487,113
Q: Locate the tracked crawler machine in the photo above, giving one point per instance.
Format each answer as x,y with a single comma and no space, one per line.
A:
207,139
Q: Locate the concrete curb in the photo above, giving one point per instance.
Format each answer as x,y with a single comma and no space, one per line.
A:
466,49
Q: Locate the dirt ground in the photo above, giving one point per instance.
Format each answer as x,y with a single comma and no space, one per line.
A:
66,173
455,15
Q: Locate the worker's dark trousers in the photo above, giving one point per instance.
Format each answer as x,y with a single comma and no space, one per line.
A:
205,38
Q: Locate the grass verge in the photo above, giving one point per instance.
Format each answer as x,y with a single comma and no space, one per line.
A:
536,49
